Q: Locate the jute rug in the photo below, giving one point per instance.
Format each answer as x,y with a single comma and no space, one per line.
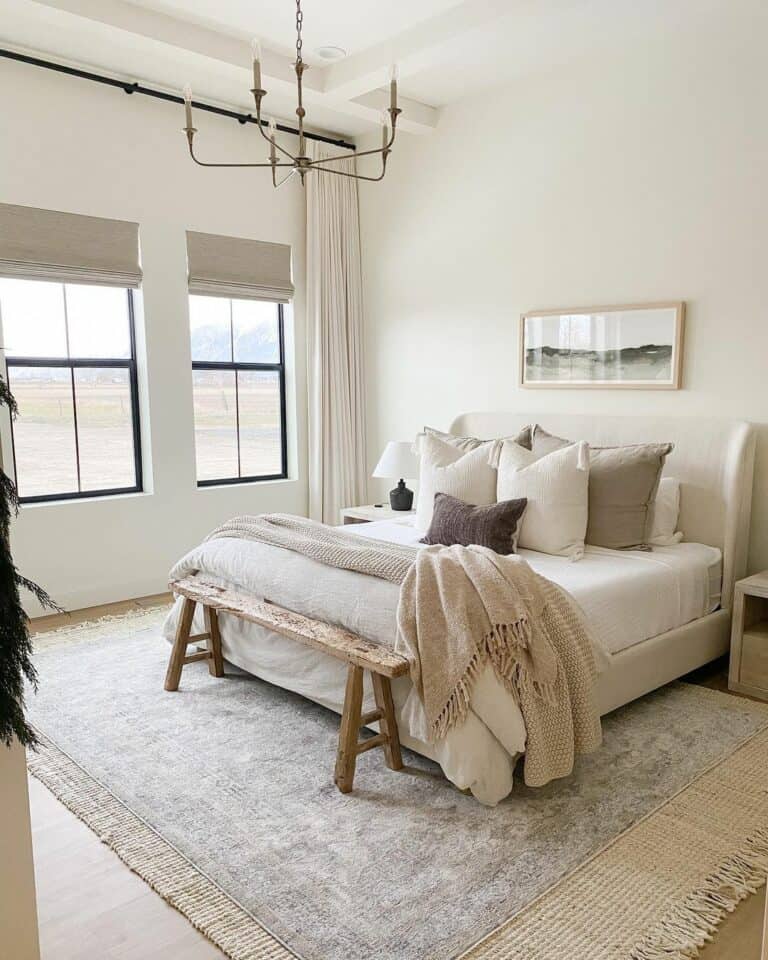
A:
221,797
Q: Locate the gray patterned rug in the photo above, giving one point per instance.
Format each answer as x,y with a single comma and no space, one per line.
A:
237,776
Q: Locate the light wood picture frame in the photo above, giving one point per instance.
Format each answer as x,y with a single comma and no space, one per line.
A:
635,347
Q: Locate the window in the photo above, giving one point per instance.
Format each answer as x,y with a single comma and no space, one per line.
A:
238,378
71,360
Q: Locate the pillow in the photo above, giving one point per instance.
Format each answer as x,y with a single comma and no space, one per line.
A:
472,443
495,526
446,469
665,511
556,487
622,487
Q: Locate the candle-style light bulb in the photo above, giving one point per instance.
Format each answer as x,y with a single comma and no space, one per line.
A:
188,105
393,77
272,152
256,51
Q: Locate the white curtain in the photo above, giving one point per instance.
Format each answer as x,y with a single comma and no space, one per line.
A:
337,473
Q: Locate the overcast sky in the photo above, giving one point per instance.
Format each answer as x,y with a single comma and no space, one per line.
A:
632,328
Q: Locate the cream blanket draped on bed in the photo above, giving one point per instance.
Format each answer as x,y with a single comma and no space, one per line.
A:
459,608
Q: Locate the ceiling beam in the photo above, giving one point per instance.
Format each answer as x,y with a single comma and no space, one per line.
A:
278,75
413,50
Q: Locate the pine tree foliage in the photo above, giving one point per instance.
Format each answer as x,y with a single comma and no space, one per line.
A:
15,644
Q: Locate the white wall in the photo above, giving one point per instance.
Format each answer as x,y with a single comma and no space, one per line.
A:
71,145
633,178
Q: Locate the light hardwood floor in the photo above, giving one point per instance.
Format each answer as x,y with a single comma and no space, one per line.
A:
92,907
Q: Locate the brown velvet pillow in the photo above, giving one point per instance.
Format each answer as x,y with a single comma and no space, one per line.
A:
495,526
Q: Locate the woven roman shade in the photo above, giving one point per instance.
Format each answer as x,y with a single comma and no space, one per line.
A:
234,267
68,247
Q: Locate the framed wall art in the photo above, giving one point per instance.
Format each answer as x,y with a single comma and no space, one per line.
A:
638,346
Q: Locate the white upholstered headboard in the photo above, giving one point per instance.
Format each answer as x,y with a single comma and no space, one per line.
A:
713,459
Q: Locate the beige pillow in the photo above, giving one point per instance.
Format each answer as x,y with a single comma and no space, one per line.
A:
444,468
556,487
622,488
472,443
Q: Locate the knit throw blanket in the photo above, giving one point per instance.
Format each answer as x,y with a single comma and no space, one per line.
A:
460,608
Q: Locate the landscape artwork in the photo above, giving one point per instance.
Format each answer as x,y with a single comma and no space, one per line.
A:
633,346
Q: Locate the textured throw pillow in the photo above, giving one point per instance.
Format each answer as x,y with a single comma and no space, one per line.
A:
665,512
494,526
556,487
622,487
446,469
472,443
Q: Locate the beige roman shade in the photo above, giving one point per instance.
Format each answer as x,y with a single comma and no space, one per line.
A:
234,267
68,247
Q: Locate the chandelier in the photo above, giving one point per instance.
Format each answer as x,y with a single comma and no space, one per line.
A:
300,163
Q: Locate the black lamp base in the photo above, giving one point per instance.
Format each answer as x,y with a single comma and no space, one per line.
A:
401,498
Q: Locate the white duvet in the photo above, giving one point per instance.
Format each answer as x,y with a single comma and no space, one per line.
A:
627,597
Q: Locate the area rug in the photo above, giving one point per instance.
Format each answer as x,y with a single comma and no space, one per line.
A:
221,797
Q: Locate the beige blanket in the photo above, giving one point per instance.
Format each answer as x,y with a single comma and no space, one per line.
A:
459,608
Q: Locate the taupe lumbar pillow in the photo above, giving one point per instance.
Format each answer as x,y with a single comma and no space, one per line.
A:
622,488
495,526
524,438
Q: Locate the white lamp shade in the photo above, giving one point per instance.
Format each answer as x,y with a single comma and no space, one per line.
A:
398,462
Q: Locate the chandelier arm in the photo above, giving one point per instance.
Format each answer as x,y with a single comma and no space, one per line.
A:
284,180
363,153
269,139
205,163
354,176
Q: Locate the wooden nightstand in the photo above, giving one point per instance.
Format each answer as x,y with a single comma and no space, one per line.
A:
749,637
371,512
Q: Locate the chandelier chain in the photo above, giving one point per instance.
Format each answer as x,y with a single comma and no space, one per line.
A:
299,22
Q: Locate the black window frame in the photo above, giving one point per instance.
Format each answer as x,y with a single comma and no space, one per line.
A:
235,366
73,364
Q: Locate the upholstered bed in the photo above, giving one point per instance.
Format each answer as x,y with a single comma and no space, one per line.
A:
655,615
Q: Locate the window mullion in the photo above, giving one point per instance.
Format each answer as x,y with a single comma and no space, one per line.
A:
66,319
74,422
237,421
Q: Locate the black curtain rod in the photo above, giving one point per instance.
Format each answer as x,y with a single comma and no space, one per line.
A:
129,87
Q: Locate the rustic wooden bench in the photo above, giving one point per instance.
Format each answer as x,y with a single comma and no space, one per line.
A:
382,663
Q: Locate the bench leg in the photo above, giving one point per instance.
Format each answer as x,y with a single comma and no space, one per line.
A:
216,663
382,691
346,757
179,649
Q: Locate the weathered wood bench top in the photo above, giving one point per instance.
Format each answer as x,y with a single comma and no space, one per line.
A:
331,639
359,654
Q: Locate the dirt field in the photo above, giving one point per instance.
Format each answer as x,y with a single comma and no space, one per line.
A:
44,433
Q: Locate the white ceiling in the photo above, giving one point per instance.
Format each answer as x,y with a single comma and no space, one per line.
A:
445,49
353,25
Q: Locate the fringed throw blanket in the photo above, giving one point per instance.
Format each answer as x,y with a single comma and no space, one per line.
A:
461,607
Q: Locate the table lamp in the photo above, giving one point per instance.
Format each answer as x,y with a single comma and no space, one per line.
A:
398,460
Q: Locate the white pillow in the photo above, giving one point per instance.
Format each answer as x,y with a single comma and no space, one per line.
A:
446,469
665,512
557,488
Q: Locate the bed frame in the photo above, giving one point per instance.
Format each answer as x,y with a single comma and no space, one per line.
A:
712,459
714,462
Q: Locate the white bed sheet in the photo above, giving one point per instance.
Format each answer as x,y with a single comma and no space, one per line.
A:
626,598
627,595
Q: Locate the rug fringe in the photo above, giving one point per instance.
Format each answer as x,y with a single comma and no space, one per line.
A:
182,885
692,923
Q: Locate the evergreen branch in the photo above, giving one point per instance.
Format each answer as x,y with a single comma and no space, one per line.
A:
16,665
